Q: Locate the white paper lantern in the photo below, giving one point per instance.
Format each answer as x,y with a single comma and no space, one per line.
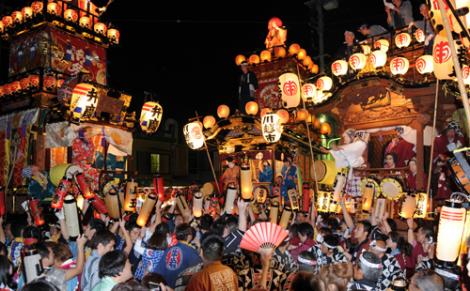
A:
357,61
84,101
289,86
378,59
466,74
419,35
193,135
339,68
402,40
442,58
309,91
451,226
271,127
424,64
382,44
150,117
399,66
197,204
324,83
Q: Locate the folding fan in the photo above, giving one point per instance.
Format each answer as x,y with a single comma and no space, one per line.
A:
264,235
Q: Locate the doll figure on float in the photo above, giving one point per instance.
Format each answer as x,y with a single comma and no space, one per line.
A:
40,185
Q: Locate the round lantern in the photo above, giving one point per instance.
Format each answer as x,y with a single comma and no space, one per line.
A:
294,49
308,62
100,28
451,227
271,127
382,44
442,58
283,115
2,27
466,74
15,86
7,21
34,80
113,35
324,83
421,205
246,183
308,92
194,135
254,59
25,83
27,12
37,7
402,40
365,49
424,64
302,54
150,116
17,17
378,59
209,121
279,52
325,128
50,83
265,56
85,22
251,108
314,69
339,68
53,8
399,66
71,15
289,86
264,111
419,35
357,61
239,59
223,111
302,115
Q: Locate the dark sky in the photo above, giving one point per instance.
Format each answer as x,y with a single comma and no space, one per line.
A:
184,50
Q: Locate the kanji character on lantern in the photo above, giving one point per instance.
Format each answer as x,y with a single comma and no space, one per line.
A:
289,86
442,58
271,127
399,66
84,101
339,68
151,116
357,61
308,92
424,64
193,135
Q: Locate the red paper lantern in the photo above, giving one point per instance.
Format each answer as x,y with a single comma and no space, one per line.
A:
17,17
283,115
27,12
34,81
302,115
37,7
265,56
325,129
223,111
159,187
302,54
71,15
114,35
306,199
7,21
239,59
279,52
294,48
100,28
264,111
307,62
85,22
15,87
314,69
251,108
316,123
208,121
254,59
53,8
49,83
25,83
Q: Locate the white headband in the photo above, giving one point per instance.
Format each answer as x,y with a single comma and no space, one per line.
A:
373,244
328,245
306,261
369,264
447,274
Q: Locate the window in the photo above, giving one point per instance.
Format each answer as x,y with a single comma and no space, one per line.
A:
155,163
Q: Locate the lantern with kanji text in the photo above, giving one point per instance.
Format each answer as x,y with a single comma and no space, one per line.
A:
399,65
100,28
378,59
324,83
84,101
419,35
309,92
289,86
339,68
85,22
451,227
382,44
271,127
402,40
442,58
151,116
357,61
424,64
53,8
193,135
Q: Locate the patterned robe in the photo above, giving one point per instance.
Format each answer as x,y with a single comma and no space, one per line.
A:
391,271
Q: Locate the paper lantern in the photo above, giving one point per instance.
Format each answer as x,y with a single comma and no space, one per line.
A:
421,205
71,15
253,59
301,54
324,83
301,115
113,201
408,207
271,127
113,35
15,87
294,49
83,187
251,108
314,69
60,193
419,35
399,66
2,27
274,212
194,135
285,217
99,205
100,28
150,116
325,128
31,259
309,91
264,111
424,64
27,13
208,121
402,40
36,212
34,81
368,197
339,184
230,199
306,198
159,187
289,86
84,101
197,204
451,227
466,74
17,17
365,49
246,183
37,7
53,8
85,22
279,52
283,115
146,210
378,59
7,21
357,61
442,58
223,111
131,196
339,68
239,59
307,62
265,56
2,202
71,216
382,44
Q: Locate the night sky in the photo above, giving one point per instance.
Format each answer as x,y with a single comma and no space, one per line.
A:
184,51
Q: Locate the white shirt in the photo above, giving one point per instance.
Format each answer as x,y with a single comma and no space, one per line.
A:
349,155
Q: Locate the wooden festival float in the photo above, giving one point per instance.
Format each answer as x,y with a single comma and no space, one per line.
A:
58,113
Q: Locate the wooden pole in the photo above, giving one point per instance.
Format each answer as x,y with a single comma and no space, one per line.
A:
436,101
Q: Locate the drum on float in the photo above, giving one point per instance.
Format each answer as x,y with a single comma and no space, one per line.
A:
391,188
325,171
